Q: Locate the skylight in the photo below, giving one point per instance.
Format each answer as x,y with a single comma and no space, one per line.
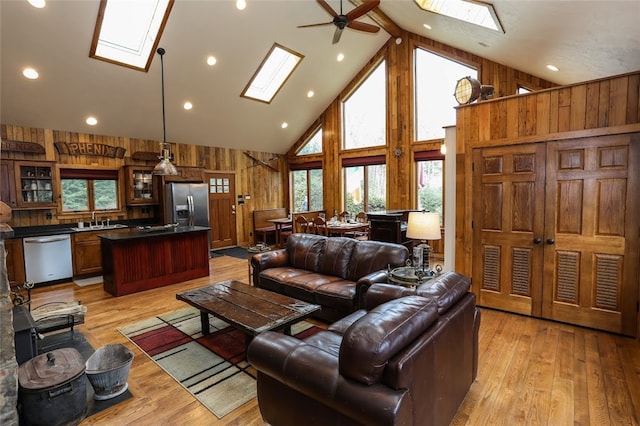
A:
472,11
127,32
271,75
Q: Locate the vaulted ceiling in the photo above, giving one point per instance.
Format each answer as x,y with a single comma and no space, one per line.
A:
584,39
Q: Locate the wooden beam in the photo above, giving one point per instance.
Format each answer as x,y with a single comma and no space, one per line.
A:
379,17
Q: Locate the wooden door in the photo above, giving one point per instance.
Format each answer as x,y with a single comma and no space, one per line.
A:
556,230
591,235
508,223
222,209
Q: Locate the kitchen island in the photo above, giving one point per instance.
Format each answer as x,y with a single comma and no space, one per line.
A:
152,257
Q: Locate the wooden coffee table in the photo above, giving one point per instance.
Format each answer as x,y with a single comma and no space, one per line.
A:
250,309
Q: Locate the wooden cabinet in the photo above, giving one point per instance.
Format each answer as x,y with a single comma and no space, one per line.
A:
15,260
7,183
390,226
555,230
141,188
87,256
36,184
142,261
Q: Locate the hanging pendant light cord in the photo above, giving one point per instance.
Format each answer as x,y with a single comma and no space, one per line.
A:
161,52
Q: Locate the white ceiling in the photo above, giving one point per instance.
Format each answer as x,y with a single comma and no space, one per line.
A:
585,39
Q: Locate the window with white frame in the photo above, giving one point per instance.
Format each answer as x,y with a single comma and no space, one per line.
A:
435,80
364,112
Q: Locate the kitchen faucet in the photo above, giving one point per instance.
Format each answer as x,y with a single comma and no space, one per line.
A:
93,217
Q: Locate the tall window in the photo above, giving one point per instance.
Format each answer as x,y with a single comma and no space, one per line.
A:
365,184
89,190
307,186
430,181
435,80
364,112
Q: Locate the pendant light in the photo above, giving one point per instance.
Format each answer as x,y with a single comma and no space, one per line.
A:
164,167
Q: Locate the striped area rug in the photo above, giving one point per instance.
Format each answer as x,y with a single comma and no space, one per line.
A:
212,368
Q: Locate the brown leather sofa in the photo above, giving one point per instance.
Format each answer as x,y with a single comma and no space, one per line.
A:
328,271
408,359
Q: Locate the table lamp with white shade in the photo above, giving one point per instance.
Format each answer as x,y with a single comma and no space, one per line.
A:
423,226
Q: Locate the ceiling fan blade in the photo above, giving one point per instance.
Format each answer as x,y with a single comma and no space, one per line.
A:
362,9
337,35
361,26
314,25
326,7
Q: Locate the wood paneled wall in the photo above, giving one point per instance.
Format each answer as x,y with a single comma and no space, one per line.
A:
400,129
267,188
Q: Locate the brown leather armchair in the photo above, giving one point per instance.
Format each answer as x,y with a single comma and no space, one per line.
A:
407,359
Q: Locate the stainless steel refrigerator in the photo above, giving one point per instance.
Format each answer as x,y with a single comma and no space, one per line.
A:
187,204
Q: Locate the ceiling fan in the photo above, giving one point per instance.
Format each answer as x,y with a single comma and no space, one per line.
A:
349,20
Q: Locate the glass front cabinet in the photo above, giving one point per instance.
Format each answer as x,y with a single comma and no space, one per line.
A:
35,185
140,186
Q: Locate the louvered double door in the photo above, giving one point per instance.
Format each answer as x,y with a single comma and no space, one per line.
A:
556,230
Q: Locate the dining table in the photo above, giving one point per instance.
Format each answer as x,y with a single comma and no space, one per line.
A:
341,228
279,223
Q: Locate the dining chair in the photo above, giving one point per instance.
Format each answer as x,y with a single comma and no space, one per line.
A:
361,217
301,225
320,226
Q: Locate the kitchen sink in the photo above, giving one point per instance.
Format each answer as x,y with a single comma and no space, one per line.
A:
100,227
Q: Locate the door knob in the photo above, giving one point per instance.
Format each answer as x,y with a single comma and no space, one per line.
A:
550,241
537,240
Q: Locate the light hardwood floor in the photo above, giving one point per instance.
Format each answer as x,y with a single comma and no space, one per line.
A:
530,371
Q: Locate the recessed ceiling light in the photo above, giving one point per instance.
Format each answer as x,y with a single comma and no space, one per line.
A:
340,57
38,3
211,60
284,125
91,121
241,4
310,94
427,26
30,73
552,67
188,105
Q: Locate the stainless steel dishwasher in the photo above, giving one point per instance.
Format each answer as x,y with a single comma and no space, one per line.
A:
47,258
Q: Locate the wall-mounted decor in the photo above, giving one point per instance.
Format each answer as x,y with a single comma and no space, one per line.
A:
89,149
16,146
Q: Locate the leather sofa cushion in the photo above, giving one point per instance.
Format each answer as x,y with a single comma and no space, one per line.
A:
371,256
336,257
304,251
375,338
446,290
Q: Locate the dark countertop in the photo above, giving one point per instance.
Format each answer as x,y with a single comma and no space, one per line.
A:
153,231
6,232
39,231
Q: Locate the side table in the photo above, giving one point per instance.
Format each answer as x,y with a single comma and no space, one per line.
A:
251,250
407,276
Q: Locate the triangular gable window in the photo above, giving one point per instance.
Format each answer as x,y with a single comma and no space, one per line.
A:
313,145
